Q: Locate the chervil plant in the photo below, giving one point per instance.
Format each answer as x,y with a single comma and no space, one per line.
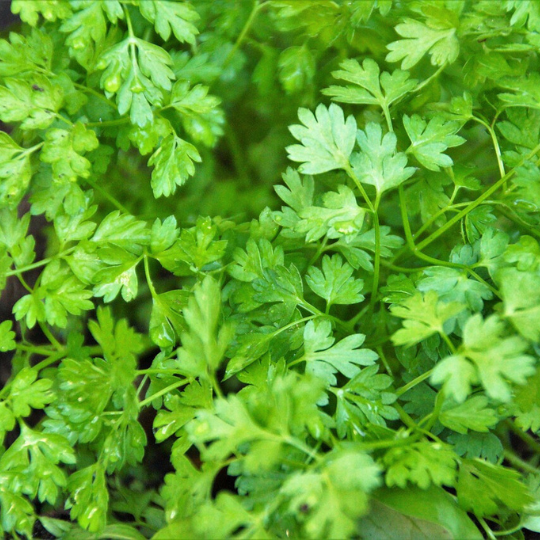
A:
218,327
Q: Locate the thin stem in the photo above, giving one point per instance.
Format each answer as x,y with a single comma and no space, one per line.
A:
156,371
433,76
303,447
43,262
41,365
414,382
520,463
403,268
108,196
350,324
319,252
162,392
448,342
95,93
109,123
216,386
384,361
434,415
149,278
50,337
244,32
452,221
348,169
386,112
486,528
142,383
377,261
416,249
495,141
531,442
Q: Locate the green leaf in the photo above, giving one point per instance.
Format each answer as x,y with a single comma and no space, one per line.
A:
28,393
525,91
421,463
477,445
25,52
420,39
173,164
378,164
334,282
526,405
205,340
34,103
89,498
472,414
417,513
482,487
199,112
34,456
452,285
49,9
15,171
166,320
64,150
364,400
297,68
63,293
334,498
117,275
424,316
430,140
122,230
137,72
521,297
327,140
16,513
171,17
370,86
486,357
7,341
324,357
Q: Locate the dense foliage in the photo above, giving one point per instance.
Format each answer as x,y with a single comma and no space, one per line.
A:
195,353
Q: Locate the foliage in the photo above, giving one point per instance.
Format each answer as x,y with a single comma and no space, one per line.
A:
272,267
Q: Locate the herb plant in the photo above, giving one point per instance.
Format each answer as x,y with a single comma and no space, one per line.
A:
209,342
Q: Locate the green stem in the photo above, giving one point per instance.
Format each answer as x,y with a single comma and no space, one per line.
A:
109,123
486,528
149,278
216,386
95,93
41,365
384,361
520,463
377,261
43,262
386,112
348,169
247,27
107,195
319,252
495,141
415,249
433,76
414,382
162,392
471,206
403,268
531,442
448,342
50,336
